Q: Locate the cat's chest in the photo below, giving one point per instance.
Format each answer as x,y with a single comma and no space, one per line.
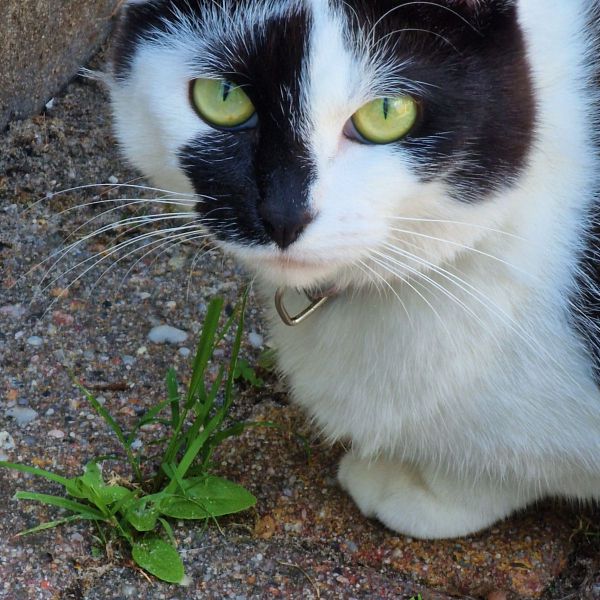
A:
403,367
374,353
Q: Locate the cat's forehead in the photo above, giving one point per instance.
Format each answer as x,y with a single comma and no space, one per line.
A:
250,37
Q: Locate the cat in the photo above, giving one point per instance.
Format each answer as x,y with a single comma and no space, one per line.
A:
424,177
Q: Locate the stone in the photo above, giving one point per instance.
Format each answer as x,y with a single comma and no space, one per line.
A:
6,441
22,416
165,334
35,341
42,45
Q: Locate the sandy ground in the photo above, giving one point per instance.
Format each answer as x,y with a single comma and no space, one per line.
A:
305,539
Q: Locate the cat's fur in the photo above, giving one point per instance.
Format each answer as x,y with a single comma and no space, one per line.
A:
458,354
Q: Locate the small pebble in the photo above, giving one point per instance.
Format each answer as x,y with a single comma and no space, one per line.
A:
128,360
14,311
35,341
129,590
185,352
112,179
256,340
6,441
165,334
144,295
22,416
56,434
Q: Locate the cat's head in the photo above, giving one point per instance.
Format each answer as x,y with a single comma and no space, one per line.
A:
329,142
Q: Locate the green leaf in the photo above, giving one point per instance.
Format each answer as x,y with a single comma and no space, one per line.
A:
244,371
50,525
35,471
159,558
75,507
143,513
114,493
92,475
88,484
205,497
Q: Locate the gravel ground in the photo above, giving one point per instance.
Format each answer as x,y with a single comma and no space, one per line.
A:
305,539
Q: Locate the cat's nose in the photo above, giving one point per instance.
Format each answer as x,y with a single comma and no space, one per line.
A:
284,228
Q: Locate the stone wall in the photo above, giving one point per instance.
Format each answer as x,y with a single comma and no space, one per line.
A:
42,45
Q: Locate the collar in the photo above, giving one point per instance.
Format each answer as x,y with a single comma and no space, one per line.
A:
316,298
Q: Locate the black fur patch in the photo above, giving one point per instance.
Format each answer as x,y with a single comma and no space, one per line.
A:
478,108
257,178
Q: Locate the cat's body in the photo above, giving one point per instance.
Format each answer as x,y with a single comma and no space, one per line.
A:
459,351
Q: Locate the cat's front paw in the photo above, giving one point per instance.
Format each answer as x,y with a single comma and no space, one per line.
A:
425,505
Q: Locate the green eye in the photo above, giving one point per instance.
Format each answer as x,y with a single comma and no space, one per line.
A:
386,120
220,102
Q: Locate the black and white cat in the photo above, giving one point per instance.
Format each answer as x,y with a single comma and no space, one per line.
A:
433,168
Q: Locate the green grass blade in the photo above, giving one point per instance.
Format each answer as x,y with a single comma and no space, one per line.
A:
168,530
204,352
52,524
60,502
106,416
108,419
205,348
192,452
235,352
173,398
146,419
35,471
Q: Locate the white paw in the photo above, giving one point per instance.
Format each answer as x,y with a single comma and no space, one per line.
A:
423,505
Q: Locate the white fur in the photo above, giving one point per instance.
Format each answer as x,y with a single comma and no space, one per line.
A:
465,393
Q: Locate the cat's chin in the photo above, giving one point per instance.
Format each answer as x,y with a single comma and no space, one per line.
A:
287,272
285,269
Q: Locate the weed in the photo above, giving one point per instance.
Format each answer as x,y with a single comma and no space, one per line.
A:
137,512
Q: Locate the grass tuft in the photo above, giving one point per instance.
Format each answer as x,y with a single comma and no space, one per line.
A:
136,512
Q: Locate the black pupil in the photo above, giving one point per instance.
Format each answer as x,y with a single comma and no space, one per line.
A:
226,90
